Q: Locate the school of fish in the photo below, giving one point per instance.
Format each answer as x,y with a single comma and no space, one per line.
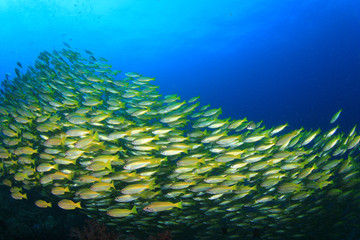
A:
116,149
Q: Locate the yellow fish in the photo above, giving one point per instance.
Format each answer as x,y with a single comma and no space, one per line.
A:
42,204
68,204
161,206
121,212
18,195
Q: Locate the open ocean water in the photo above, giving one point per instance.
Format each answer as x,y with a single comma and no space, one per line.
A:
279,62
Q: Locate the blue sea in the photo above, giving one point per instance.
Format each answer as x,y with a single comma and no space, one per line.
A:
285,61
276,61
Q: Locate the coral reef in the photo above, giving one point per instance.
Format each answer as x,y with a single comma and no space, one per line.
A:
94,230
165,235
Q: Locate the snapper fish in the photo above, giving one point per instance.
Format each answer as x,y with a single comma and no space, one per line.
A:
121,212
68,204
80,131
162,206
43,204
335,116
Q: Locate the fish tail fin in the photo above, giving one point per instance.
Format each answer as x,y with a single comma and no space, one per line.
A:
179,205
96,136
108,165
133,210
70,176
63,139
78,205
154,186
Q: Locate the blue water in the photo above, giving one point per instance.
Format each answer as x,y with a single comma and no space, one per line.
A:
277,61
283,61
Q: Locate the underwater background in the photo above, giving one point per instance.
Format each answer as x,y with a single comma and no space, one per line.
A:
276,61
295,62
